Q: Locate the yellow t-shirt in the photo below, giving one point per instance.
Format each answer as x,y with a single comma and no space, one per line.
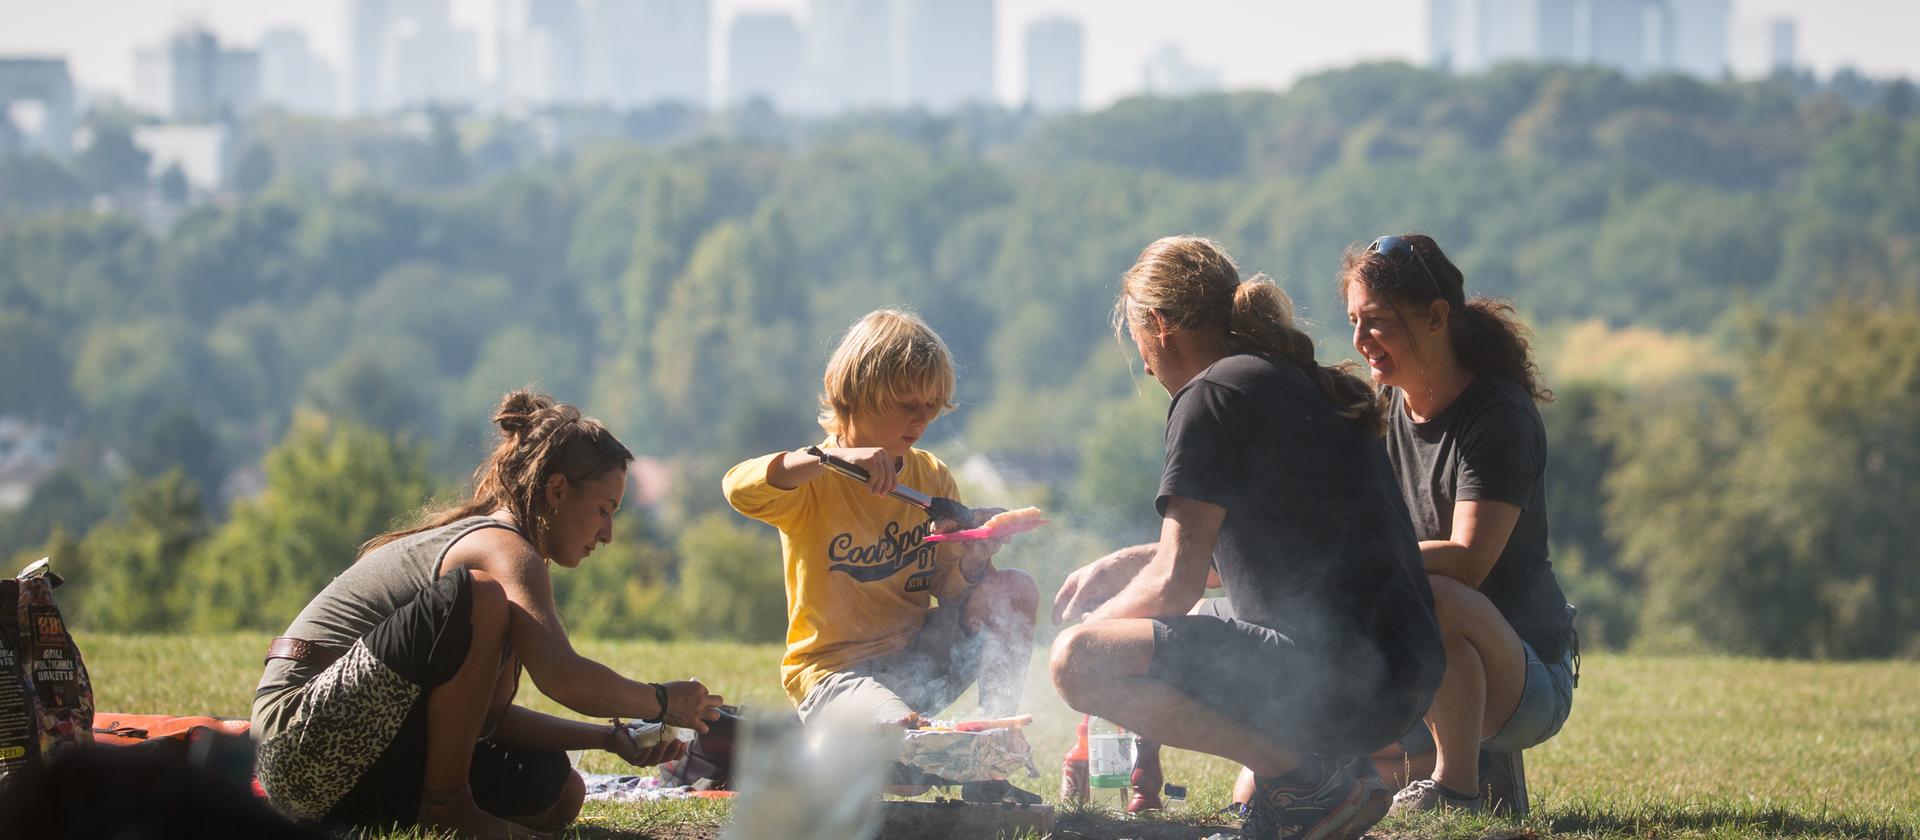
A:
860,574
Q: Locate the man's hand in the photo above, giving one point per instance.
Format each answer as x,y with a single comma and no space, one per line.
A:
1093,584
690,706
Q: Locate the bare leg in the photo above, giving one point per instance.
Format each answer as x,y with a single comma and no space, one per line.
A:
1100,669
456,711
1397,768
1002,606
1486,671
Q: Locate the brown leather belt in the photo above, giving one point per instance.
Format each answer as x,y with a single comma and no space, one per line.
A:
302,651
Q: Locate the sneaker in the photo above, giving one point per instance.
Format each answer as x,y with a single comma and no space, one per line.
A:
1427,795
1503,778
1338,803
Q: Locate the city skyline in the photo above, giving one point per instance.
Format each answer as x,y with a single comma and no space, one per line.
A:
1121,39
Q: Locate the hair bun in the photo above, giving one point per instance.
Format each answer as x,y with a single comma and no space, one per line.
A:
520,410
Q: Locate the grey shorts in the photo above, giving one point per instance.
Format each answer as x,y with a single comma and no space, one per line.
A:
926,676
1545,703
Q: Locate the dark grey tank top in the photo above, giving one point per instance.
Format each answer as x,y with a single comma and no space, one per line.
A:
359,598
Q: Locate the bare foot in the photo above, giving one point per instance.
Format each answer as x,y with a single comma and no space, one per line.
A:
455,811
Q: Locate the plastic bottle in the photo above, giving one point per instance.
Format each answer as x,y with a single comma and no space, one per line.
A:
1073,769
1110,752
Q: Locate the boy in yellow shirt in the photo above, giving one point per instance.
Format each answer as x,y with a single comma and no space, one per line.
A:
863,637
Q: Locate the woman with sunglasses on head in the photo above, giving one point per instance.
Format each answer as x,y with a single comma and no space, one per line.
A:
1325,645
1467,442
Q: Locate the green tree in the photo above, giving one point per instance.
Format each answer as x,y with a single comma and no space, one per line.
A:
112,163
1777,519
173,185
253,170
129,580
330,486
731,581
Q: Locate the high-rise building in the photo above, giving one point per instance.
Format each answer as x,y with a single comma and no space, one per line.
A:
849,55
408,52
1168,72
541,50
47,82
193,78
1557,39
1441,25
646,52
368,21
764,54
1632,36
1699,36
945,52
1056,64
292,76
1783,42
1625,35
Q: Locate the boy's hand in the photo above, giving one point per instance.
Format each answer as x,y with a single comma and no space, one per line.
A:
878,464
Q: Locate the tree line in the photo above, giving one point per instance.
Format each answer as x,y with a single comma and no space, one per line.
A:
1721,277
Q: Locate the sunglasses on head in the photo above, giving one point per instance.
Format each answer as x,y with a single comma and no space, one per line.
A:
1394,246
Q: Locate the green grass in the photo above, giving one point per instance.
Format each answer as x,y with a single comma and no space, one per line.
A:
1657,747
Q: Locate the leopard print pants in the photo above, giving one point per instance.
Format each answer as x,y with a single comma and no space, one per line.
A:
344,720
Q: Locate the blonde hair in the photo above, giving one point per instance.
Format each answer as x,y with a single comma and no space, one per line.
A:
889,356
1195,285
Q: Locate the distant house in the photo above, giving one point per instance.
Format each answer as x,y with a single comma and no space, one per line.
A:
28,451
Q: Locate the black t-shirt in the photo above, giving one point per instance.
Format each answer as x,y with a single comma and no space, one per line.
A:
1488,445
1317,543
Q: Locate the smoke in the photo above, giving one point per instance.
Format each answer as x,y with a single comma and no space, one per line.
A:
819,782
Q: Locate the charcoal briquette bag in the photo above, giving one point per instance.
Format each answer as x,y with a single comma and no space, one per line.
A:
19,733
59,694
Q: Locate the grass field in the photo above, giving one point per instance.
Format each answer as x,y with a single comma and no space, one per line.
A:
1657,747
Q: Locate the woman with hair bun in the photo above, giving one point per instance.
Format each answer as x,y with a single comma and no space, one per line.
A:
389,699
1324,647
1470,451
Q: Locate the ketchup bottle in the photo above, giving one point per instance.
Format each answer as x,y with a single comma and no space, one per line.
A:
1073,770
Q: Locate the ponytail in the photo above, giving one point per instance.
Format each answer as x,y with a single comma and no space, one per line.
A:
539,437
1198,287
1488,337
1261,323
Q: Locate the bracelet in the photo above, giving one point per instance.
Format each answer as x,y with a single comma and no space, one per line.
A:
660,694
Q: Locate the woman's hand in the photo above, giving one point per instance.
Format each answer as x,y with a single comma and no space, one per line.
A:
620,742
690,706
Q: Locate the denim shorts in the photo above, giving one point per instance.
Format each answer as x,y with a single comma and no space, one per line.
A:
1545,703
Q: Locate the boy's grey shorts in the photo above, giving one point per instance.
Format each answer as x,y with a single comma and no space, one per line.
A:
1545,703
926,676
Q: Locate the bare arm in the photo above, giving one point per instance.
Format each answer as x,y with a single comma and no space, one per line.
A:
528,729
1480,533
793,469
540,641
1095,583
1175,578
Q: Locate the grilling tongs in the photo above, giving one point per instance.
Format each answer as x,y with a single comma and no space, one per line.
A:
937,507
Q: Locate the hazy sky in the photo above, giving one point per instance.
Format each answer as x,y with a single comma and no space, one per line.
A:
1254,43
